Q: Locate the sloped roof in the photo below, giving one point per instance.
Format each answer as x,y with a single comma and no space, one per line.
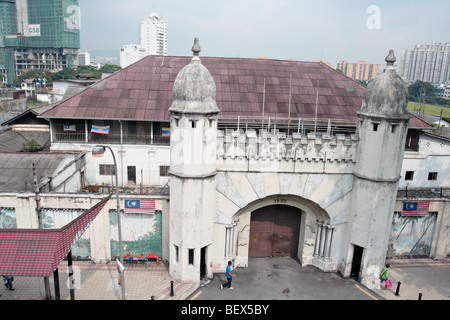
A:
38,252
16,169
12,141
143,90
245,87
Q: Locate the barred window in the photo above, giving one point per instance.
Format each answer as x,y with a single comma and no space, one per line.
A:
191,256
106,169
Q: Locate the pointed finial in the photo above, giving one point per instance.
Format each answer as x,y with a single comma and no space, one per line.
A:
196,48
390,59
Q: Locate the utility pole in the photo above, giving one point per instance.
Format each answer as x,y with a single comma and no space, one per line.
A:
48,294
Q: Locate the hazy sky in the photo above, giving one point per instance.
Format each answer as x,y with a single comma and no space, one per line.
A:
351,30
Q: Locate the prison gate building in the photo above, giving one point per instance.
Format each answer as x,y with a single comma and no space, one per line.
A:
243,158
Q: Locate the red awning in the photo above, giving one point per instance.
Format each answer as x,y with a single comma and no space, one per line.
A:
38,252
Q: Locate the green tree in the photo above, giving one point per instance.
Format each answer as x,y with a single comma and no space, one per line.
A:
422,90
31,146
35,74
66,73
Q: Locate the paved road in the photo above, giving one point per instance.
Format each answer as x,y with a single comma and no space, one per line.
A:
283,279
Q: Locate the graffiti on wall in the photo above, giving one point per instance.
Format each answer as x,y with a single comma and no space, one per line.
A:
8,218
57,218
141,233
411,236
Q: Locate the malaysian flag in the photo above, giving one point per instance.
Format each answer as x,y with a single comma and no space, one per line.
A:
419,208
69,127
139,206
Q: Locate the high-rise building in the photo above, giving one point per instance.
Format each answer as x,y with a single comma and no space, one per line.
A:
429,63
361,70
130,54
84,59
153,35
38,34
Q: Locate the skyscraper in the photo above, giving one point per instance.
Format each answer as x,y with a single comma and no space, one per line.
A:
429,63
153,35
38,34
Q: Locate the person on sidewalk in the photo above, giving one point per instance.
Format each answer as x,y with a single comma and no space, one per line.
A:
8,282
229,277
384,274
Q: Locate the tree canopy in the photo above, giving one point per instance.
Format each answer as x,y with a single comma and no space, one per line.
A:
66,73
424,92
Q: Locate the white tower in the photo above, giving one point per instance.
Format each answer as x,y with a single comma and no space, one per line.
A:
382,124
153,35
193,122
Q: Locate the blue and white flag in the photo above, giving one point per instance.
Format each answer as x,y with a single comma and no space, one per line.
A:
100,129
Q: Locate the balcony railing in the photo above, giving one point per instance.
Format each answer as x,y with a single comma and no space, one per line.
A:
111,138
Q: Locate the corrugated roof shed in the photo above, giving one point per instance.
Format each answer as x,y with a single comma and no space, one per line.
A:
245,87
12,141
16,169
38,252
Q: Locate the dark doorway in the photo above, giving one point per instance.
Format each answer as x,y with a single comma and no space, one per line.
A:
356,262
131,170
274,231
203,263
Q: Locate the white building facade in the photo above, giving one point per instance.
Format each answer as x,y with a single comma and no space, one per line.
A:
130,54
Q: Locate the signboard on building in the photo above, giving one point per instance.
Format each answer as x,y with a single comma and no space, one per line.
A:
33,30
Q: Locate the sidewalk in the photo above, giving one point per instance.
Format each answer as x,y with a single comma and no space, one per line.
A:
418,276
100,282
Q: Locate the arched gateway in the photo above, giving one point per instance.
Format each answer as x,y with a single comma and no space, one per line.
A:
275,225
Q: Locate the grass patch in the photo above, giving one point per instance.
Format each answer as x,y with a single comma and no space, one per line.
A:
430,109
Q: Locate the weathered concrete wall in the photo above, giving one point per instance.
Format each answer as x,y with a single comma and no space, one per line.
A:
238,151
421,235
101,236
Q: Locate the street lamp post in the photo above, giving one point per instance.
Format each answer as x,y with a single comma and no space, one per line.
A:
98,152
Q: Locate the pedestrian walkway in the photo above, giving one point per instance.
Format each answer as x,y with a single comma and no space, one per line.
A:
100,282
414,279
427,277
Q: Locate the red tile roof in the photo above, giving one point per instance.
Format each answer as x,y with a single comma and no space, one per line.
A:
143,90
38,252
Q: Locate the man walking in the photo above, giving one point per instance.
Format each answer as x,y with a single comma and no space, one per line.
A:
229,276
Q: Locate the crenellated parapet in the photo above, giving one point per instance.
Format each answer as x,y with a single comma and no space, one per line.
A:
239,145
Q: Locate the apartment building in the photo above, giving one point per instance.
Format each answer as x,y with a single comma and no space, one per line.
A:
429,63
361,70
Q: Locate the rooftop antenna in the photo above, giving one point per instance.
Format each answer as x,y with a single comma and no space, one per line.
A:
317,101
264,98
289,103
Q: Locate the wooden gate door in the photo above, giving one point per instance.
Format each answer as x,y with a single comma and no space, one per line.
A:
274,231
